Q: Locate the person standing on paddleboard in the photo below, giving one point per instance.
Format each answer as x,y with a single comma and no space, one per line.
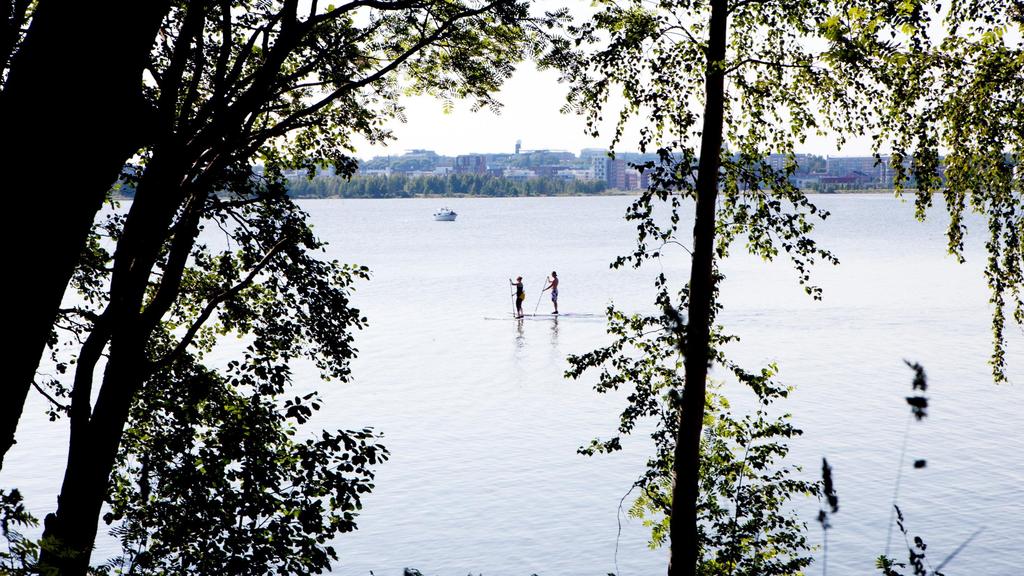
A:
520,295
553,286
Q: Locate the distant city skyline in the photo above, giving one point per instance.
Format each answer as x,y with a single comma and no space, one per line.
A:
624,172
532,100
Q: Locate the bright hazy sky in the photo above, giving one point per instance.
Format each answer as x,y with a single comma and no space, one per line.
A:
532,100
530,113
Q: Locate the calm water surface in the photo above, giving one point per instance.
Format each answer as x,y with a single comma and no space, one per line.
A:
483,428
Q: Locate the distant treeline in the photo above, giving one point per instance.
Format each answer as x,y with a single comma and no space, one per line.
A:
398,186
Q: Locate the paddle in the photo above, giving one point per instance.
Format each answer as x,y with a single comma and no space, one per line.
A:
512,288
540,295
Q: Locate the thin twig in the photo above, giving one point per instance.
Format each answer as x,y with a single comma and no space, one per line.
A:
618,521
896,490
64,408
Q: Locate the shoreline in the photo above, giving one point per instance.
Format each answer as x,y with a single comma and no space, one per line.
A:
607,193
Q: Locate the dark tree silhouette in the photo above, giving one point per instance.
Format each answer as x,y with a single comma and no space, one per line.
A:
71,100
235,82
718,85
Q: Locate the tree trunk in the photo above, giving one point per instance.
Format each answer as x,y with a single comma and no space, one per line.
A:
686,468
70,533
13,15
127,325
71,48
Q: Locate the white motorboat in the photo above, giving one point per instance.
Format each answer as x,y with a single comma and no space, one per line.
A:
445,215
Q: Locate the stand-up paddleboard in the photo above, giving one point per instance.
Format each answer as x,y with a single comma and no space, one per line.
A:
566,315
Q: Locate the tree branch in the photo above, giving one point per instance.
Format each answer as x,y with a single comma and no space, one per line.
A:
689,35
743,3
81,389
181,246
224,55
197,77
87,314
283,127
743,62
378,4
62,407
217,300
191,28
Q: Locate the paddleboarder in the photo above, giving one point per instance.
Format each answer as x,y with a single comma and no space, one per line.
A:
553,286
520,295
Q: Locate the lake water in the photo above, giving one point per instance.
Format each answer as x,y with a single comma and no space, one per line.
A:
483,428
